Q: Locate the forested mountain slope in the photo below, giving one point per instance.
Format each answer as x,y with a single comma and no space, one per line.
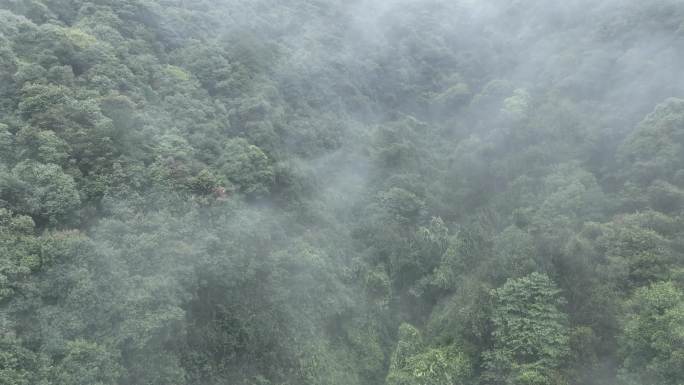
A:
398,192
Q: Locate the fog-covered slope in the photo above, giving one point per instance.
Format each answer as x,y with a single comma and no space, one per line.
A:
398,192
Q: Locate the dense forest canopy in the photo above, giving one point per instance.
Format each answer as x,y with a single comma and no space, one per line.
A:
293,192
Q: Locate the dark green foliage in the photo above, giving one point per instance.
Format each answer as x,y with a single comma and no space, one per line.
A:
247,167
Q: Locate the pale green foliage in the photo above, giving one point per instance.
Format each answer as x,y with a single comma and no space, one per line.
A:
642,254
47,192
656,149
20,252
6,141
436,366
86,363
409,343
530,332
20,366
378,286
42,145
517,105
412,363
653,341
321,364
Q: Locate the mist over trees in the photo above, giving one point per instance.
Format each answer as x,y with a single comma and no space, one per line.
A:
293,192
